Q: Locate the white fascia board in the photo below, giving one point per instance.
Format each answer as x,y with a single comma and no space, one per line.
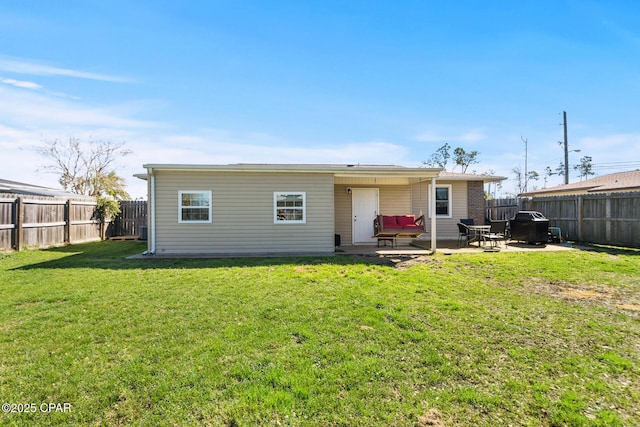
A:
338,171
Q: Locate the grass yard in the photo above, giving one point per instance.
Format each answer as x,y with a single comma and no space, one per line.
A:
489,339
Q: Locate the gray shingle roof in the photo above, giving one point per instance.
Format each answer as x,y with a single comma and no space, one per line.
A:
14,187
621,181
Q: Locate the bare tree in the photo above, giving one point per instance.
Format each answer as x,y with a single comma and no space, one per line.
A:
522,180
440,157
560,169
548,173
465,159
585,167
86,168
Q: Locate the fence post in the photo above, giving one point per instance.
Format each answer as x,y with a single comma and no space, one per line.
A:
19,220
607,225
67,222
580,216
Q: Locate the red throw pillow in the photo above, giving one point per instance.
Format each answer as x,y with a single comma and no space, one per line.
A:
389,221
412,227
406,220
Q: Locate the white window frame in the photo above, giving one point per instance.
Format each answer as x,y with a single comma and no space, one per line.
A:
449,201
208,195
303,208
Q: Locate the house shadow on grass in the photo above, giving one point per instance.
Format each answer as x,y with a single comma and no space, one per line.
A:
124,256
611,250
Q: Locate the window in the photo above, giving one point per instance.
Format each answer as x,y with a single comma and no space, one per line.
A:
194,206
443,201
289,207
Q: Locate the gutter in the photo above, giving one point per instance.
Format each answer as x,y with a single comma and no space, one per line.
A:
152,211
338,171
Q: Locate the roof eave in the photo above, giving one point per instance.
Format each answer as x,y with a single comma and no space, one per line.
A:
338,171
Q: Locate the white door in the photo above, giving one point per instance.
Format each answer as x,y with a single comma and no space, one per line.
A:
364,207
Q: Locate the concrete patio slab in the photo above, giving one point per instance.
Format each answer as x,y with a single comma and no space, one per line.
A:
450,247
417,248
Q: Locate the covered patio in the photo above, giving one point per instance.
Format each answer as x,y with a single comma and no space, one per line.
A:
448,247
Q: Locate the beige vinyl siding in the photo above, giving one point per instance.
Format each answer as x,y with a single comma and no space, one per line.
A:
447,228
393,200
420,198
243,213
343,216
369,182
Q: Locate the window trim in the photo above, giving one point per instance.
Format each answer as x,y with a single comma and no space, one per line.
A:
449,201
276,194
209,195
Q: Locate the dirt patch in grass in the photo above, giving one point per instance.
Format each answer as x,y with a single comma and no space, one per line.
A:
28,304
582,294
630,307
602,295
431,418
398,261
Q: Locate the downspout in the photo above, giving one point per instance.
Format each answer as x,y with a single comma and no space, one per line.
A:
432,214
152,211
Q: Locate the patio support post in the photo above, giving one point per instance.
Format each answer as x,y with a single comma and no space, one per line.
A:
432,213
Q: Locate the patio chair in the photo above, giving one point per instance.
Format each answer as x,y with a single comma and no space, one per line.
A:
497,232
467,221
463,231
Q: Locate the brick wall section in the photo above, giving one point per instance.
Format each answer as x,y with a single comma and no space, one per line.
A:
475,201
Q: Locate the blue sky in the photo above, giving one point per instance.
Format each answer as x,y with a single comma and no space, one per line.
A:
381,82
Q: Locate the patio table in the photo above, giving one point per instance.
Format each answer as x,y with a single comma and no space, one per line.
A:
476,233
387,237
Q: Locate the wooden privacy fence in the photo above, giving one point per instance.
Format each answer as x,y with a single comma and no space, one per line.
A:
612,218
32,221
505,209
131,221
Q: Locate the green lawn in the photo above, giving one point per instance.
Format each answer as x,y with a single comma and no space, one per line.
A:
490,339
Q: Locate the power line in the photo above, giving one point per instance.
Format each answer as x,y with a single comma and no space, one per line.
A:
630,162
617,165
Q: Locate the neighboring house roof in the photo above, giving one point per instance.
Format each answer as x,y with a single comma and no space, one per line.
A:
611,183
346,170
13,187
453,176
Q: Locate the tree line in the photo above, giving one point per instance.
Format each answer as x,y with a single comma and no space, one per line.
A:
463,159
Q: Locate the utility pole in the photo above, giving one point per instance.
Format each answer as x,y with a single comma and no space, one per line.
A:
526,175
566,149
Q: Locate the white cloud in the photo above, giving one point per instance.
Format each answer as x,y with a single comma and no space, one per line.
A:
431,137
17,162
21,83
249,149
31,109
612,153
608,141
22,66
471,136
158,145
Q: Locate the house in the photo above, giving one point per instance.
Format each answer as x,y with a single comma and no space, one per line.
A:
21,188
263,208
611,183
